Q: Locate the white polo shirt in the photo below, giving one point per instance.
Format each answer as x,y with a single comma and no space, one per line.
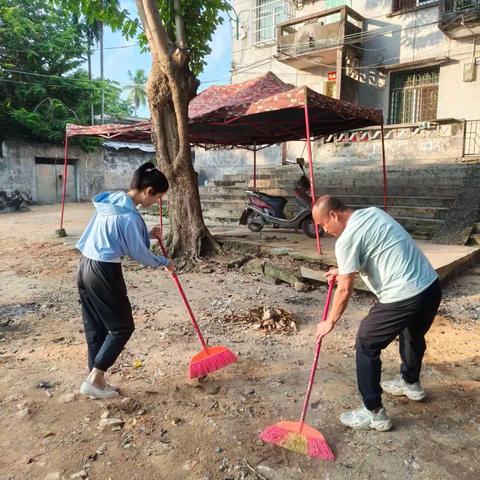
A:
387,258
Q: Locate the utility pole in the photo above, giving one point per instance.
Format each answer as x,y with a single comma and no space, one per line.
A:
102,112
89,39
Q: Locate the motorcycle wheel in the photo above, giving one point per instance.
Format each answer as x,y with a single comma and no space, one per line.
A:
251,225
308,228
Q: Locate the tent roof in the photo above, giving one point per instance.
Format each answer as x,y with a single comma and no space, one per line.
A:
261,111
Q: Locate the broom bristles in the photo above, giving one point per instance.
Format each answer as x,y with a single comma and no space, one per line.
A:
287,435
218,357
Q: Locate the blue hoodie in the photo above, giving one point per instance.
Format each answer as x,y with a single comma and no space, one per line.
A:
116,230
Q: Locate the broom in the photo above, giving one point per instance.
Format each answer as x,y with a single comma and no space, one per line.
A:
209,359
298,436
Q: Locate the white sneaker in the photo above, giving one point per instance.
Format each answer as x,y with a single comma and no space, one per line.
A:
399,387
362,418
93,392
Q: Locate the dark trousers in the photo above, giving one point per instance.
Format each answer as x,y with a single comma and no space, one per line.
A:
106,311
410,319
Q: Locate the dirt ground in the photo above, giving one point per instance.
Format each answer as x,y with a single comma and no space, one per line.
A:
175,428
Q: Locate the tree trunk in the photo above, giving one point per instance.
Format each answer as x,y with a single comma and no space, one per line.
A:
188,236
170,87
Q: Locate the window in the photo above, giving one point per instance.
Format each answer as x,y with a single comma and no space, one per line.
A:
410,4
266,15
414,95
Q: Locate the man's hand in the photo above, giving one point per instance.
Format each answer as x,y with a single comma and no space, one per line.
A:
170,267
323,328
155,232
331,274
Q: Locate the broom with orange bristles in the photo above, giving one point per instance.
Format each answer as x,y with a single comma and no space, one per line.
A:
210,359
298,436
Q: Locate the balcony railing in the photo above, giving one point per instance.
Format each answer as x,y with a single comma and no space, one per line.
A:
306,37
459,18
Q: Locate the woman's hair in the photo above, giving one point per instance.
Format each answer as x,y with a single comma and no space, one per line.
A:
147,175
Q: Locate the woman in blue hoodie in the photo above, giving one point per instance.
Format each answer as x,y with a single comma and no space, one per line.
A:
116,230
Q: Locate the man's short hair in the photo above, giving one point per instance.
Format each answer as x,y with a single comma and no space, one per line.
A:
329,203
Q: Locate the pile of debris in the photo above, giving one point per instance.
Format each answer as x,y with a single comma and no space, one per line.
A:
267,320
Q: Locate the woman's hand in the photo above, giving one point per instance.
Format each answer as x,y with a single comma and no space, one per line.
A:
331,274
155,232
170,267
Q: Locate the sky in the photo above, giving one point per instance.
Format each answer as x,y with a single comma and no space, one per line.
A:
117,61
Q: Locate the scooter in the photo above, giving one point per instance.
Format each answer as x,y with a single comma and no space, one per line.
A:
263,209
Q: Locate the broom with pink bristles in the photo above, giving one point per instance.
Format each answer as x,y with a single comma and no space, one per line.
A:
298,436
210,359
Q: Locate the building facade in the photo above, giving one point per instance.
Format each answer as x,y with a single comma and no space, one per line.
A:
417,60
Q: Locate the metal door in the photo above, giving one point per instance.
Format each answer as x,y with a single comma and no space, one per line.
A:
49,174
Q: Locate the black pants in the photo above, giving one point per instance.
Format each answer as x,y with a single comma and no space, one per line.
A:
107,314
410,319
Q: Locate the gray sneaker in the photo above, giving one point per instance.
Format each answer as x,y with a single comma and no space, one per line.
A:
362,418
399,387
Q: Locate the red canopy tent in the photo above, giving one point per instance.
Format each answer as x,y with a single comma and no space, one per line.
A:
258,112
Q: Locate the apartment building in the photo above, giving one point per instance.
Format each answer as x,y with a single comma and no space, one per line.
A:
417,60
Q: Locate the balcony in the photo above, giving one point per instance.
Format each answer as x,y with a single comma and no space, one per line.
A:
459,18
314,40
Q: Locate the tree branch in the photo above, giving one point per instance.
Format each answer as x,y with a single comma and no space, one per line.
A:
148,11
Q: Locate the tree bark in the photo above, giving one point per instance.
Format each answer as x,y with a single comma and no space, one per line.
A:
170,87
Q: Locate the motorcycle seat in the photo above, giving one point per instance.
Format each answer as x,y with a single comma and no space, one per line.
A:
270,197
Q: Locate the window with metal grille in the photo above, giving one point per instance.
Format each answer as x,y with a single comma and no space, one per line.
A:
414,95
266,15
409,4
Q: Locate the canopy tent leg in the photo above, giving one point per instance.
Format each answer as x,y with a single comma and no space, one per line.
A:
384,167
310,172
61,231
160,212
254,164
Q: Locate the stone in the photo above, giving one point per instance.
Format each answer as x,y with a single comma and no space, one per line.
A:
110,422
67,398
80,474
105,414
25,412
300,287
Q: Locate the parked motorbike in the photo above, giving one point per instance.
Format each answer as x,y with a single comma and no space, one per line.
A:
263,209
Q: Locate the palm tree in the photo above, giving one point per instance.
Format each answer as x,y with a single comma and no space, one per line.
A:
137,96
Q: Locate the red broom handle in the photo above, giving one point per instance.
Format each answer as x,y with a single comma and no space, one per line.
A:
317,355
185,300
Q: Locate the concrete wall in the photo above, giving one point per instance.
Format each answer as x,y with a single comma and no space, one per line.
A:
120,164
103,169
405,146
214,164
18,175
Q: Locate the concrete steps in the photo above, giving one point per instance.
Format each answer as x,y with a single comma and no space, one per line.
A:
419,198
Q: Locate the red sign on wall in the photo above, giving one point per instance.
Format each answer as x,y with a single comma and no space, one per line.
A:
332,76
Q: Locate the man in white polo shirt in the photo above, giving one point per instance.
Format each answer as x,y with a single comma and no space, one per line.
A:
374,245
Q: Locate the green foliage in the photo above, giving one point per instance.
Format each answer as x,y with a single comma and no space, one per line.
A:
137,96
201,20
41,88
